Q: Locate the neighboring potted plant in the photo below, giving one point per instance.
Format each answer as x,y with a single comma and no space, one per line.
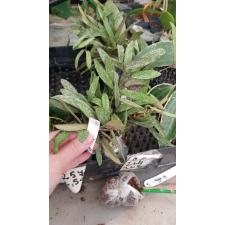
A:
119,94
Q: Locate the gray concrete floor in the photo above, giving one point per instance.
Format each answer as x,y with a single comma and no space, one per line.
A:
66,208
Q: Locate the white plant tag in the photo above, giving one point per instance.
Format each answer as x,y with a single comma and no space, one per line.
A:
141,160
154,181
74,178
93,128
123,97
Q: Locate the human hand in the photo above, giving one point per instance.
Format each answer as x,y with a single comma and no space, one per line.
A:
71,153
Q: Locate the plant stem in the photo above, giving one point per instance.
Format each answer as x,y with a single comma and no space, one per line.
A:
163,112
106,135
68,108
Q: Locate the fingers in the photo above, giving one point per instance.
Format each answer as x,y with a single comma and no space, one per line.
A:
70,138
53,134
73,149
77,161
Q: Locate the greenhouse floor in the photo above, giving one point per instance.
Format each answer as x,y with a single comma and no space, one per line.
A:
84,208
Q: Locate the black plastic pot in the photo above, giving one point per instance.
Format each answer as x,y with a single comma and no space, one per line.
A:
138,139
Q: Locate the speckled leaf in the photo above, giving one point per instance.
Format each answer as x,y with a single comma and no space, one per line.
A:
129,52
93,87
146,74
109,151
116,90
162,90
98,155
102,54
78,58
138,96
105,102
60,138
130,103
71,127
115,123
77,103
102,115
102,73
88,59
120,49
75,95
174,40
159,54
97,101
82,135
169,123
148,59
81,39
68,86
110,69
109,30
85,43
142,43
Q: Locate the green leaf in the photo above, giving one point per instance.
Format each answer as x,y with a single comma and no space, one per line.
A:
160,91
138,96
77,103
129,52
105,102
93,87
81,39
156,55
115,123
110,69
68,86
102,54
71,127
98,155
134,83
72,94
82,135
120,29
102,115
60,138
83,16
169,123
88,59
109,30
120,49
102,73
109,151
131,104
78,57
174,40
166,18
97,101
116,90
142,43
146,74
85,43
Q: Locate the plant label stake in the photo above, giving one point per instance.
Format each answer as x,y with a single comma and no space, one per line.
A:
74,178
93,128
154,181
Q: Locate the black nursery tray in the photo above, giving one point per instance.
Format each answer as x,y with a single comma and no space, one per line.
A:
138,139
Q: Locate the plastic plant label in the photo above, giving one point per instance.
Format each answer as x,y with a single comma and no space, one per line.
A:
141,160
154,181
123,97
93,128
74,178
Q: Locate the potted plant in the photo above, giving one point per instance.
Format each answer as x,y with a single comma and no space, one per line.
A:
119,94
